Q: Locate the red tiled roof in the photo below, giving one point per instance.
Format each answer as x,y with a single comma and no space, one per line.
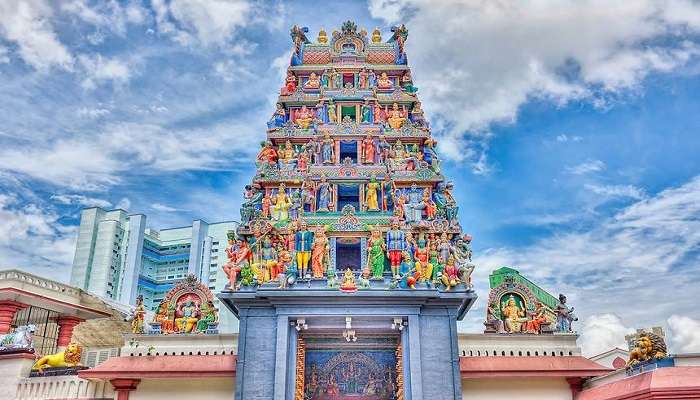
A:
568,367
163,367
662,383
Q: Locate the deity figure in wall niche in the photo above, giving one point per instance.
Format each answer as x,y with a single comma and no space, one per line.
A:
188,320
434,261
308,196
313,148
332,118
388,189
413,209
286,156
407,83
383,82
372,78
281,203
514,315
249,208
313,82
321,113
290,84
335,79
375,255
319,254
366,112
267,154
396,117
304,117
363,79
537,319
368,149
327,149
277,120
379,114
303,162
383,148
325,195
296,209
421,255
444,246
429,208
268,260
324,79
430,155
303,242
396,245
450,275
371,195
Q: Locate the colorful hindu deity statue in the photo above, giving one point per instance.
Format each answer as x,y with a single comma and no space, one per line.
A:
322,37
376,256
537,319
268,260
514,315
429,207
376,36
209,317
304,117
422,256
368,149
379,114
396,245
303,242
325,195
372,195
327,150
138,315
450,275
348,283
188,312
319,254
286,156
278,118
363,79
290,84
366,113
565,315
408,273
383,82
395,117
313,82
267,154
407,83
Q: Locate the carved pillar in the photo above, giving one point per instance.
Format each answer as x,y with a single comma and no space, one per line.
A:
65,329
124,386
8,309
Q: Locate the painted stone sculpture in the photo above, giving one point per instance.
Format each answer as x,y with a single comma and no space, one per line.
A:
70,357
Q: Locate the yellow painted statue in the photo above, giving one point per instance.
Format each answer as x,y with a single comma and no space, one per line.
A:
514,316
70,357
188,320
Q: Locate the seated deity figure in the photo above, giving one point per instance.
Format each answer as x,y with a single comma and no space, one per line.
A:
304,117
327,149
188,311
210,316
376,36
407,84
396,118
429,208
277,120
414,207
537,319
267,154
325,195
368,149
383,82
290,84
450,275
322,36
281,205
313,82
514,316
286,156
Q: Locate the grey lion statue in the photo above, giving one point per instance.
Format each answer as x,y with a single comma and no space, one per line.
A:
20,339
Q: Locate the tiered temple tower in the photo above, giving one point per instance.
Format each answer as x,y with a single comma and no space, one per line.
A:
349,269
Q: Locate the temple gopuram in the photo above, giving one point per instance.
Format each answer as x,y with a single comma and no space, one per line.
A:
348,274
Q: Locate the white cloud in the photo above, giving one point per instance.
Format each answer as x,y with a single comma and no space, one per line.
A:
107,14
617,191
99,69
93,113
4,57
603,332
31,238
81,200
124,204
563,138
208,22
164,208
685,334
27,23
496,56
587,167
643,249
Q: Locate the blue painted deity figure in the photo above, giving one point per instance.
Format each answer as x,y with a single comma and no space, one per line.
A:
388,188
395,245
321,112
446,205
372,77
327,149
295,210
408,273
277,120
413,209
253,203
366,112
303,242
325,195
565,315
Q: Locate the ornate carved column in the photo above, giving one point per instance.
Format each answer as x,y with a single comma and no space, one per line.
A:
65,329
8,309
124,386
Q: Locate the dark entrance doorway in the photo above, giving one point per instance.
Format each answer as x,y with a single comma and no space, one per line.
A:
348,254
348,149
348,194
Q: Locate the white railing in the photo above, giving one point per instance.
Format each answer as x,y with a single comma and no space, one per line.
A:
13,274
62,387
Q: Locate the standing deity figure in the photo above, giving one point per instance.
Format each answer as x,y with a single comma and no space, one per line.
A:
303,162
413,209
327,149
335,78
434,260
254,195
366,113
266,204
368,149
371,195
231,268
421,255
396,117
277,120
383,82
325,195
379,114
304,117
565,315
296,209
388,188
463,254
363,78
238,260
324,79
284,260
430,155
281,204
444,247
308,196
138,316
268,260
321,114
445,203
332,118
396,245
383,148
303,241
429,208
372,78
375,255
313,82
513,315
319,254
290,84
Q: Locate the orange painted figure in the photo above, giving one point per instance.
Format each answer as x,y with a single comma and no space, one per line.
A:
368,149
535,324
319,253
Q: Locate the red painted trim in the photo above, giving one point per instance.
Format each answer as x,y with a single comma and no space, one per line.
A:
20,354
124,386
38,296
66,324
220,366
544,366
8,309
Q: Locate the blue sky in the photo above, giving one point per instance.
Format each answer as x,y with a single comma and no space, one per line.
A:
569,127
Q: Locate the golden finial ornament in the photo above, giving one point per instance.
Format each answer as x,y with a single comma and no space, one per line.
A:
322,37
376,36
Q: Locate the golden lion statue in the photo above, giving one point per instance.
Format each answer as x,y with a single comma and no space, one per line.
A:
70,357
648,346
